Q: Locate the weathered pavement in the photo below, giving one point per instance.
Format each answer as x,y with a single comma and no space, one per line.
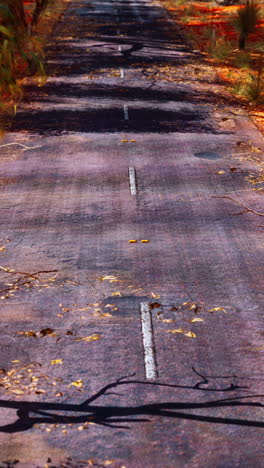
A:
68,211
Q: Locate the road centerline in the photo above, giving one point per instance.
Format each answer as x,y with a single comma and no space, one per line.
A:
132,180
126,114
151,370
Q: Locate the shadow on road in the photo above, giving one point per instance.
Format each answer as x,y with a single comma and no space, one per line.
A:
92,45
117,416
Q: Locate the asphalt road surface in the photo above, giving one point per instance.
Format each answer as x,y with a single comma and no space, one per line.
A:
117,353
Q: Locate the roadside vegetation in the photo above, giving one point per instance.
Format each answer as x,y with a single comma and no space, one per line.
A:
230,39
24,28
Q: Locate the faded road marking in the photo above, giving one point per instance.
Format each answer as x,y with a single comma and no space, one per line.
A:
126,114
148,342
132,180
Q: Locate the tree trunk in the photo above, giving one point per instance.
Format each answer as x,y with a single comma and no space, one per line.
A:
242,42
40,6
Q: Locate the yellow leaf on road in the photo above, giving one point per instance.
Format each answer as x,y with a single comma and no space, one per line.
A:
215,309
17,392
155,295
27,333
196,319
93,337
116,293
176,330
56,361
77,383
167,320
108,278
190,334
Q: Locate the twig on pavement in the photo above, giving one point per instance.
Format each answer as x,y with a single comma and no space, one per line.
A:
242,204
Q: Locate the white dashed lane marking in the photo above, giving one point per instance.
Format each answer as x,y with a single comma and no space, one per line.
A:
151,371
132,180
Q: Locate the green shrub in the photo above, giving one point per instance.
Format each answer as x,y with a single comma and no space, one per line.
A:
222,49
19,54
246,21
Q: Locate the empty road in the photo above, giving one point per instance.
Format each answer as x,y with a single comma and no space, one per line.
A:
131,269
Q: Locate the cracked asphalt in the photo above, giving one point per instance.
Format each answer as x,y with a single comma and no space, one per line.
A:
74,385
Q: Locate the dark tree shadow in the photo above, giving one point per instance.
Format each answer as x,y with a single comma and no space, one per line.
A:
117,416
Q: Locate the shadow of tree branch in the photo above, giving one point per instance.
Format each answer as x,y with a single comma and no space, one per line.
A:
111,416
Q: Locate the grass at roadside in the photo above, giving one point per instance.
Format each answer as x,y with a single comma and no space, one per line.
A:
215,32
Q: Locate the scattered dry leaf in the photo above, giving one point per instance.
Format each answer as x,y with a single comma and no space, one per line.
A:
56,361
190,334
154,305
196,319
17,391
155,295
77,383
27,333
93,337
215,309
47,331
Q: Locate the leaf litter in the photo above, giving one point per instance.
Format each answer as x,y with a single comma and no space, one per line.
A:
183,309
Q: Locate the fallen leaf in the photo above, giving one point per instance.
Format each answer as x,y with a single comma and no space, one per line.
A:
109,278
17,392
220,172
27,333
196,319
47,331
77,383
167,320
56,361
108,462
177,330
132,241
144,241
106,314
155,295
154,305
89,338
215,309
116,293
124,141
190,334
